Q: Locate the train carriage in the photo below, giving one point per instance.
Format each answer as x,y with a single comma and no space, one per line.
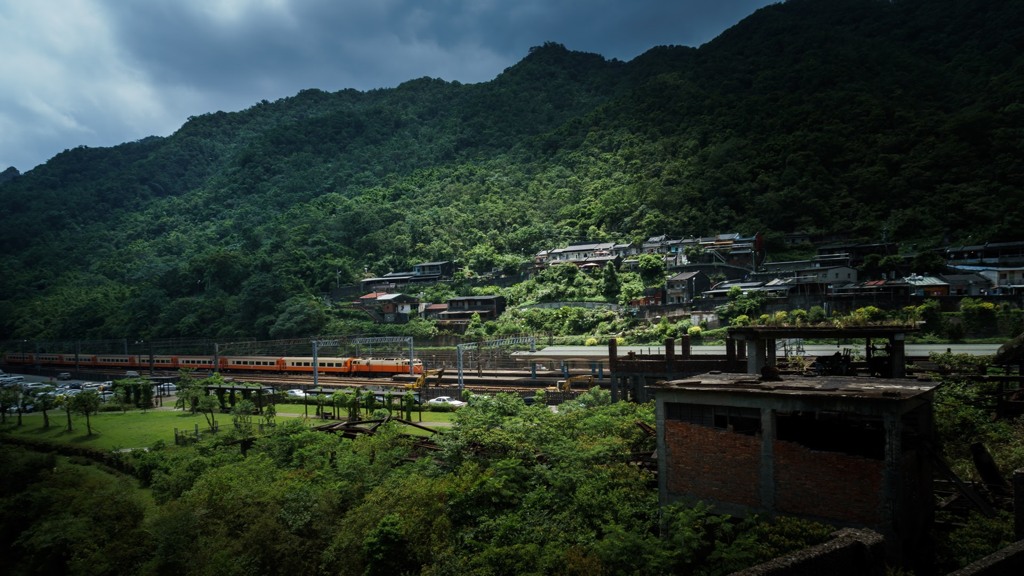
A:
19,358
77,360
197,362
253,364
339,366
325,365
49,359
119,361
158,362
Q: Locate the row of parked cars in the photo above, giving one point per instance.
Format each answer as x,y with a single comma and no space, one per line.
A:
9,380
298,393
30,391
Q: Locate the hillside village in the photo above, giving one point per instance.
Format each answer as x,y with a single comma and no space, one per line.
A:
700,274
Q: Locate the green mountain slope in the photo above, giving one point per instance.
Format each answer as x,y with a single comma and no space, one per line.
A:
861,117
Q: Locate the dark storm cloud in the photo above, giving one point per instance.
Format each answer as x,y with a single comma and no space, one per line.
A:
359,44
101,72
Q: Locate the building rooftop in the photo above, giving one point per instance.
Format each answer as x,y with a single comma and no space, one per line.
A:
851,387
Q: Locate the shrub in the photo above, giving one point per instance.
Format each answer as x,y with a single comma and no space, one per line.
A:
816,315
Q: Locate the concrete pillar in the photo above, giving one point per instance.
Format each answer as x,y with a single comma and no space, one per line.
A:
730,353
755,356
767,476
770,352
670,355
1018,503
899,356
891,475
613,353
685,347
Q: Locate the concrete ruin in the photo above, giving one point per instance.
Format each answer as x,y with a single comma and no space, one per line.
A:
844,450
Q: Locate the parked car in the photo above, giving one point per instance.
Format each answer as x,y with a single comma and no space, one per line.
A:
64,376
165,389
11,381
446,401
295,393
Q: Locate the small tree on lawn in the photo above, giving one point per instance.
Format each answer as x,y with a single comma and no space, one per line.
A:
208,405
8,398
86,403
65,403
45,403
189,391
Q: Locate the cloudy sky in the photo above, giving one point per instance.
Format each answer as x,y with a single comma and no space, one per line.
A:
103,72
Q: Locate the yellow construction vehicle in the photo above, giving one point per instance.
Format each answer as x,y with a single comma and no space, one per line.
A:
567,384
422,380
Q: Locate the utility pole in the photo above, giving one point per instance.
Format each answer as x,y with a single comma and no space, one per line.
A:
317,344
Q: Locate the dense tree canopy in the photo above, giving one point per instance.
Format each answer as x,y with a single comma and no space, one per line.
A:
513,489
855,117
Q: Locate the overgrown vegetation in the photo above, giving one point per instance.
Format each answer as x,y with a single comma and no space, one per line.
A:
515,490
965,411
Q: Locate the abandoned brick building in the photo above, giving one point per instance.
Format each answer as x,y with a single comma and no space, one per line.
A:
844,450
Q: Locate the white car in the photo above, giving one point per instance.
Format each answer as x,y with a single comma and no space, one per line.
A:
295,393
446,401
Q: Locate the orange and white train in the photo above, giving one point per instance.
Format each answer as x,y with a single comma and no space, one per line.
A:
345,366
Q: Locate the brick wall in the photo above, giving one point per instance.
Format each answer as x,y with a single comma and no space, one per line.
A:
827,484
713,464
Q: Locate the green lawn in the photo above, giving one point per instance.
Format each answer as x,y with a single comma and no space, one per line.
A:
137,429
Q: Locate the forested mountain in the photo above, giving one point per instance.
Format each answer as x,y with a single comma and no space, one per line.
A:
901,119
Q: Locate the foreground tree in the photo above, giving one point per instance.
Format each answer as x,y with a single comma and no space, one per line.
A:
85,403
46,402
9,398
